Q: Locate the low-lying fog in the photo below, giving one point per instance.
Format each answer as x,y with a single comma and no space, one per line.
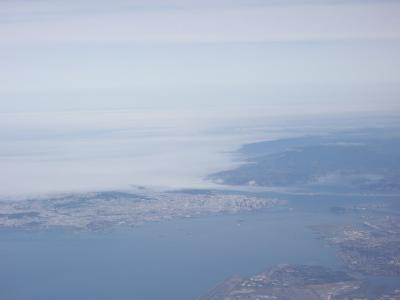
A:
98,150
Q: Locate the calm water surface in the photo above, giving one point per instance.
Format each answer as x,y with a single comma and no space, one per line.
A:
179,259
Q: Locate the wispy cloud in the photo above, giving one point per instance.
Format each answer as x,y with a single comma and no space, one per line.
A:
196,22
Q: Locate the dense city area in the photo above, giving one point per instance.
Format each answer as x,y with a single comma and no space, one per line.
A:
105,210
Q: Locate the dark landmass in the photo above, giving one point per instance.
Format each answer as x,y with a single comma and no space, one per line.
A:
297,282
361,161
371,247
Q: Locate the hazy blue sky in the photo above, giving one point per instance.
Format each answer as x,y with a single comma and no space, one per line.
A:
57,55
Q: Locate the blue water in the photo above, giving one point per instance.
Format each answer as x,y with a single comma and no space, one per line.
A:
179,259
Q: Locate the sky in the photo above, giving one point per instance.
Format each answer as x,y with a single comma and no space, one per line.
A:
57,55
103,94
